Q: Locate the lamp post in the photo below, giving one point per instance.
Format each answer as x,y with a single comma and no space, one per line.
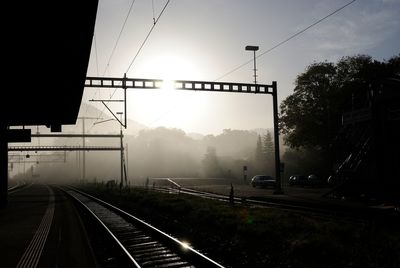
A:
278,166
123,171
254,49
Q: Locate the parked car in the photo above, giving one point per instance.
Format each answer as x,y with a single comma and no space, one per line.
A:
263,181
301,180
314,180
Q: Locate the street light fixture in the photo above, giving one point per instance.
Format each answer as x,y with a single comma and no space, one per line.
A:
254,49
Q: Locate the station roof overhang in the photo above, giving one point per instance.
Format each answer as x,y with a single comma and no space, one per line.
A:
46,48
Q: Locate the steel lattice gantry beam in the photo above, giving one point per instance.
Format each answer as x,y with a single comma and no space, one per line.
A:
63,148
125,83
228,87
75,135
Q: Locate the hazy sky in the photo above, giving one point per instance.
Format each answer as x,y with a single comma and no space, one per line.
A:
203,40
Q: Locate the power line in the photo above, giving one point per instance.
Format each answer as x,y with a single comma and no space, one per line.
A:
286,40
95,51
263,53
119,37
97,64
140,48
147,37
154,13
113,51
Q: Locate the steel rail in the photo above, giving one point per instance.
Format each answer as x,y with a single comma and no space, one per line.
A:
321,209
126,252
190,254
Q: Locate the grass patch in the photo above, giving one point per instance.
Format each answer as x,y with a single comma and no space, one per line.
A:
244,236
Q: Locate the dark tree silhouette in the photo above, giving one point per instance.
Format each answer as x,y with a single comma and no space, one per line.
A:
311,116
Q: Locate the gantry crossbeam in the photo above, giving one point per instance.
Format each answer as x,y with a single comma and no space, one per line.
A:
63,148
126,83
229,87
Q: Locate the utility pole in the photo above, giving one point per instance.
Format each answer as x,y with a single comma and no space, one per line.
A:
122,153
83,152
83,174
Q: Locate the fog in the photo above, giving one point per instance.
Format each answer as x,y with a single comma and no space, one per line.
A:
159,152
149,153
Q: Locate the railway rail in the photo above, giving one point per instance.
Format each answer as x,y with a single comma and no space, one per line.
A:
142,244
19,186
322,209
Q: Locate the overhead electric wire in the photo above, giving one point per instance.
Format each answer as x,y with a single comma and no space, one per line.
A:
286,40
95,52
265,52
119,37
141,46
97,65
112,54
147,37
154,13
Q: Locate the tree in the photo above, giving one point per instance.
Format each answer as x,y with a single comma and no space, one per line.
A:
259,155
211,164
268,152
311,116
305,113
264,154
268,146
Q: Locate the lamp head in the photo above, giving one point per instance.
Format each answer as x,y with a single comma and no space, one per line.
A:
252,48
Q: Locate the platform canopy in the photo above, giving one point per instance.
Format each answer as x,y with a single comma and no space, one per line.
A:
46,48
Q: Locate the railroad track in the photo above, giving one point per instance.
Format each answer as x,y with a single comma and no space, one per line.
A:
17,187
142,244
317,209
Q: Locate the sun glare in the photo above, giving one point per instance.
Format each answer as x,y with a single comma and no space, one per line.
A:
167,106
168,85
185,245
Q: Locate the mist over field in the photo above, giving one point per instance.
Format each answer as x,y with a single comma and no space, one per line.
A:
149,152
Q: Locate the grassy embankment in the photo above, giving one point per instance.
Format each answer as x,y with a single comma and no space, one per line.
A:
243,236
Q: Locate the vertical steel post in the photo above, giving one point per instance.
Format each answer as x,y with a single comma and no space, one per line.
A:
122,159
83,152
276,139
3,167
255,69
125,114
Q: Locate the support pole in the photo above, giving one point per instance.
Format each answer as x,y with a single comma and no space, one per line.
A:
83,152
3,168
255,68
122,160
276,140
125,114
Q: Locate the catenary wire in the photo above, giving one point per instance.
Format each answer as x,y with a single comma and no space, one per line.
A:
113,50
285,41
147,37
265,52
119,37
138,52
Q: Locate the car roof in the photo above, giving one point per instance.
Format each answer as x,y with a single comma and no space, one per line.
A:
263,176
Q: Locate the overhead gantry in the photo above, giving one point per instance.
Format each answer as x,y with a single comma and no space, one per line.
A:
126,83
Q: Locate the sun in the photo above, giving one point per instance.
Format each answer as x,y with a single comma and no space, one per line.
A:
167,106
